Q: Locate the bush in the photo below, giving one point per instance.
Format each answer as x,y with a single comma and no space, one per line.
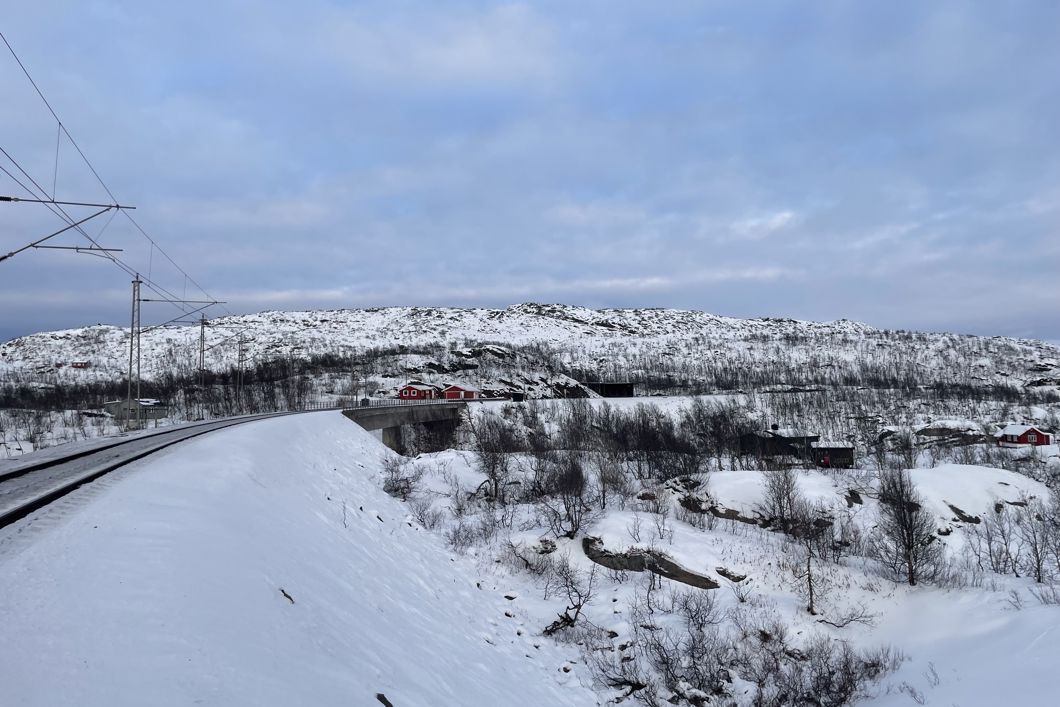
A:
399,480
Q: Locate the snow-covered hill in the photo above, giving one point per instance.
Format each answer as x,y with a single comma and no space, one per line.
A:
687,348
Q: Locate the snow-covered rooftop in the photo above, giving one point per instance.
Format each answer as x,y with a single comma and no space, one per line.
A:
791,432
420,386
832,444
461,386
1018,430
144,402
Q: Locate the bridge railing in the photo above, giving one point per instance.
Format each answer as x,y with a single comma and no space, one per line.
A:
369,403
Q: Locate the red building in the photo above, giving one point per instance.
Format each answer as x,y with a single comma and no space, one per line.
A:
1017,435
460,392
418,391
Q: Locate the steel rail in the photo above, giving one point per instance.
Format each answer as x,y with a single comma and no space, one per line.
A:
56,461
172,437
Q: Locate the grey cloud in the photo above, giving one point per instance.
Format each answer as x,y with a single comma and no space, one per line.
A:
848,160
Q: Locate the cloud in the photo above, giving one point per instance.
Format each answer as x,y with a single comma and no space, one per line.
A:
425,46
837,162
273,213
761,226
472,292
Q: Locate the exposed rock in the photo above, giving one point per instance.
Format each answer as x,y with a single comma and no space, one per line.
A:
639,560
730,575
733,514
962,516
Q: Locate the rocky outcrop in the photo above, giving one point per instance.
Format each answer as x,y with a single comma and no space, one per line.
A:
641,560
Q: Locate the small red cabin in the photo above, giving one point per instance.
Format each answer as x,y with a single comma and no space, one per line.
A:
1018,435
418,391
80,364
460,392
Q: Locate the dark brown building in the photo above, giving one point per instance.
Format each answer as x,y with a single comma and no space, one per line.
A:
613,390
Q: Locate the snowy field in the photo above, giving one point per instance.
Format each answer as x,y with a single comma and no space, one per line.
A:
264,565
169,585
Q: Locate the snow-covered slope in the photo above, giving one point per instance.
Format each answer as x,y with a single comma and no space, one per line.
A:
258,566
608,342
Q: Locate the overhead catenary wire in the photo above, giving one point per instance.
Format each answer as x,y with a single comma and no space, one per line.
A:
61,213
37,243
57,208
62,130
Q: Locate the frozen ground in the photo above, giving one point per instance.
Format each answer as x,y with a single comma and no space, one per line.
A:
169,586
982,645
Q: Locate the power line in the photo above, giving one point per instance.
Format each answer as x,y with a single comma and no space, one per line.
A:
16,199
36,243
61,213
170,297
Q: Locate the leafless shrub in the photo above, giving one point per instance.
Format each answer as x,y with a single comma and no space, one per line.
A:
539,565
422,509
564,505
904,541
633,528
1048,594
458,495
461,536
781,498
824,672
858,614
1034,530
688,657
400,477
663,530
697,519
494,440
577,586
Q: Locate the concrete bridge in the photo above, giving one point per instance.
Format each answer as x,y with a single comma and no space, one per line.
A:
440,417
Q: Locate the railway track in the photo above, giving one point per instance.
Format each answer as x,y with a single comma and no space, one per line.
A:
32,486
29,488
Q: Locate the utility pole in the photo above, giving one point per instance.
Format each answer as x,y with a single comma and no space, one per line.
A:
134,351
202,351
139,406
239,373
353,378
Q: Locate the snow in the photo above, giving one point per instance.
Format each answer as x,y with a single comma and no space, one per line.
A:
970,649
165,586
1017,430
745,490
166,583
973,489
790,432
950,424
622,339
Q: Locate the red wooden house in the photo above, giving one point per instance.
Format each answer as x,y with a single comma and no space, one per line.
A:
1019,435
418,391
460,392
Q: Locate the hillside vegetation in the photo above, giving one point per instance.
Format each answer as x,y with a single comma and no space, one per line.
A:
848,380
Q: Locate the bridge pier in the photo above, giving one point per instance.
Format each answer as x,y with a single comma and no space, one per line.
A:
392,438
439,433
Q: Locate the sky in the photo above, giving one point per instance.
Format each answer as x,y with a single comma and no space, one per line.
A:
894,163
